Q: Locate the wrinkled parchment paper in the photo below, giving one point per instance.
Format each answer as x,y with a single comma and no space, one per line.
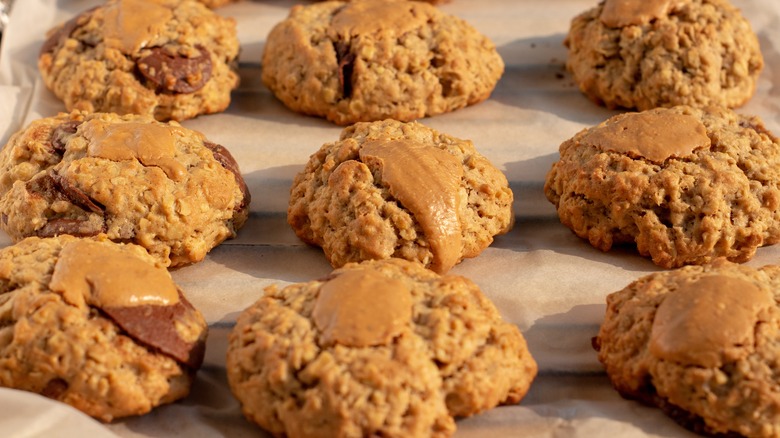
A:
542,277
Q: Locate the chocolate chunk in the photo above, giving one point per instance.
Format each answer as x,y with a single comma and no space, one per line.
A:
43,186
60,132
55,388
346,65
64,32
53,187
155,326
174,73
223,156
74,227
75,195
50,186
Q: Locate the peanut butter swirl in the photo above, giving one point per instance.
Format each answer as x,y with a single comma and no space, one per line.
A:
426,181
709,321
130,25
362,308
621,13
151,144
102,276
371,16
655,135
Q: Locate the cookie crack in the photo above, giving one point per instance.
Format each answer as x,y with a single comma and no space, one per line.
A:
345,61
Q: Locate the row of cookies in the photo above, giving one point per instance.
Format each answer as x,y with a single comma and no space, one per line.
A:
175,60
131,178
690,184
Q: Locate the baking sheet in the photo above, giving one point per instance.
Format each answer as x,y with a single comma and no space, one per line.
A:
544,279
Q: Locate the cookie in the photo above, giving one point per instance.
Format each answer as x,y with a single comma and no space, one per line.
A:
645,54
170,59
380,348
394,189
409,61
96,325
162,186
685,185
701,343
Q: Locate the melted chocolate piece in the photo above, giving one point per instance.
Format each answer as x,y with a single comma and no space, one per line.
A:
346,65
74,227
55,388
154,326
75,195
173,73
223,156
60,132
54,187
64,32
43,186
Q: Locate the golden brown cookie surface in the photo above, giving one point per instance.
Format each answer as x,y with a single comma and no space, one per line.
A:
95,324
409,61
160,185
383,348
700,343
170,59
647,54
393,189
685,185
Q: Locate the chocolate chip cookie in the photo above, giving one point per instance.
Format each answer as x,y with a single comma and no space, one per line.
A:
170,59
395,189
162,186
685,185
96,325
409,60
701,343
380,348
660,53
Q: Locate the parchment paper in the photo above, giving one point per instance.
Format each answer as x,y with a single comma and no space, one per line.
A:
542,277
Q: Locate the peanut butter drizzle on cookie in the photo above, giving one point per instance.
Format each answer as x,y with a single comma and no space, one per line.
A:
130,25
655,135
426,180
102,276
362,308
621,13
708,321
370,16
151,144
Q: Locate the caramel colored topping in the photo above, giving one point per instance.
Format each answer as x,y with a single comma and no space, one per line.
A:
151,144
369,16
706,322
131,25
426,180
103,276
362,308
655,135
621,13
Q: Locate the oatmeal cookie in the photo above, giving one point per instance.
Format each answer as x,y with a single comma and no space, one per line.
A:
394,189
162,186
96,325
171,59
409,61
701,343
660,53
380,348
686,185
